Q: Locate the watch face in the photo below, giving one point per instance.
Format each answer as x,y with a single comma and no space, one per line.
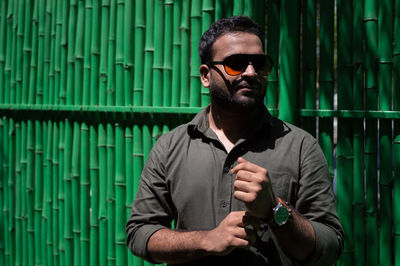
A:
281,215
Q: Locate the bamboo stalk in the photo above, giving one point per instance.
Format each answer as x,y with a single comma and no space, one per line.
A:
129,48
176,54
75,200
140,29
138,161
119,54
157,94
148,53
33,63
102,195
94,198
24,134
38,191
396,141
289,59
326,79
40,53
53,7
219,9
95,53
370,24
385,126
11,187
344,145
78,52
27,52
7,206
86,86
168,45
57,53
67,189
111,80
309,72
3,30
61,194
13,57
207,11
238,7
111,256
128,136
147,144
29,188
3,207
120,196
195,84
248,8
56,181
273,52
105,10
185,53
84,195
18,196
46,51
358,139
19,48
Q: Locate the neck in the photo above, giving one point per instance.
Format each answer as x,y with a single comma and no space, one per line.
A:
232,124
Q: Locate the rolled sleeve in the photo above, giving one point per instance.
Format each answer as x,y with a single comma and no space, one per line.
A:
152,208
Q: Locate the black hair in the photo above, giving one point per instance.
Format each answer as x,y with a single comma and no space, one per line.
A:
223,26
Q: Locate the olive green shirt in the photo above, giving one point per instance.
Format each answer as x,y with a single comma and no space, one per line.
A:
187,179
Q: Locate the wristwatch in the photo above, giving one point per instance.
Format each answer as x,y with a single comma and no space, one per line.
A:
280,214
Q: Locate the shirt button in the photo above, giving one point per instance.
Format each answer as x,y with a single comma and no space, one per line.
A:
226,169
224,203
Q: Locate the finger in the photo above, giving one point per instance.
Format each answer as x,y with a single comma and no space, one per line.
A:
244,196
245,165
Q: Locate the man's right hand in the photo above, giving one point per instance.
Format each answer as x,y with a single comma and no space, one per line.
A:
237,230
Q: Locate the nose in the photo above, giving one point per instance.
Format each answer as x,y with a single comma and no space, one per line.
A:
250,70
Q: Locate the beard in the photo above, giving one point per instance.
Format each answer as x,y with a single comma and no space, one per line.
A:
236,100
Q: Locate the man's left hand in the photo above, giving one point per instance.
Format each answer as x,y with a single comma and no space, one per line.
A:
253,187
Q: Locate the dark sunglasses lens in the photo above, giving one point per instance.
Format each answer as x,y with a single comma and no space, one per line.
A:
234,65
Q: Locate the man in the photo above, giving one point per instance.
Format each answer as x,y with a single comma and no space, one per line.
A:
243,188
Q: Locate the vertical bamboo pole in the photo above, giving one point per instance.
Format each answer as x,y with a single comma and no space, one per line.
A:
47,195
19,48
185,53
18,196
102,195
138,159
370,24
207,11
75,199
344,145
72,20
56,181
119,54
2,196
84,195
128,135
38,190
33,62
358,139
147,144
157,94
67,189
57,53
14,52
43,223
105,13
176,53
27,52
8,52
140,30
396,141
4,172
3,22
289,61
24,161
61,194
326,79
238,7
29,188
46,52
309,72
86,85
11,187
94,197
110,195
64,53
273,52
111,55
248,8
51,97
129,48
385,135
219,9
40,53
120,196
195,84
148,53
95,53
167,64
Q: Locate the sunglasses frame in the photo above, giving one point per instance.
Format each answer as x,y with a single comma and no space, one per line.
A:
268,63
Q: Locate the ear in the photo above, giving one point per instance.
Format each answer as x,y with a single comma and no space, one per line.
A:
205,75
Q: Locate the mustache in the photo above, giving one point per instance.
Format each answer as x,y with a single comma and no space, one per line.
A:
238,84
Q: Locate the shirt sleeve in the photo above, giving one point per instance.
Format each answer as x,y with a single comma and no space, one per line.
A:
316,202
152,208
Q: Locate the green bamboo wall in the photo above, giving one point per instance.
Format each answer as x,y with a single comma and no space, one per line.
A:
87,87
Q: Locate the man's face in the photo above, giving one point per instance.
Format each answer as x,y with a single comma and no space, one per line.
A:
236,92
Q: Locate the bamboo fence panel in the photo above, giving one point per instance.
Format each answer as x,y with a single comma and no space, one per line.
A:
87,88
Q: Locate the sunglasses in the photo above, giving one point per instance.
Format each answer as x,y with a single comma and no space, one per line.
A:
236,64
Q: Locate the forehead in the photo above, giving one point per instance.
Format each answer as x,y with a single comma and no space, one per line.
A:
236,43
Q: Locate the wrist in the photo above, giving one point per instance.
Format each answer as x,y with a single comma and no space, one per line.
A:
281,213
